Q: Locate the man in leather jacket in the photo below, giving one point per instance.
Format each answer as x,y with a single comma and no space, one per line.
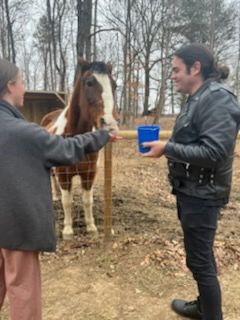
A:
200,156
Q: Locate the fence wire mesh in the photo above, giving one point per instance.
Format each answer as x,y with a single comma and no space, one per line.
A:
134,188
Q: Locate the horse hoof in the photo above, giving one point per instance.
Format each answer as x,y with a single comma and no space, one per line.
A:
92,229
67,234
67,237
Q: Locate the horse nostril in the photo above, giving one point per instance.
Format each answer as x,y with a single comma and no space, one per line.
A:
102,122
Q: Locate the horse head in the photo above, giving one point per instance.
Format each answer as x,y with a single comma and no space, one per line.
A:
93,100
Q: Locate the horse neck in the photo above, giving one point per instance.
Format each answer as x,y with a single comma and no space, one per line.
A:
78,120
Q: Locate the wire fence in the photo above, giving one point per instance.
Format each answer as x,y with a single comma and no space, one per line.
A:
148,240
115,166
125,186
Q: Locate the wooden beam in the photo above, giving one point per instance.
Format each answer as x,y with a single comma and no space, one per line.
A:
132,134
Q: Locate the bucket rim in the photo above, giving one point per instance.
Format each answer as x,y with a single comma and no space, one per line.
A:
148,127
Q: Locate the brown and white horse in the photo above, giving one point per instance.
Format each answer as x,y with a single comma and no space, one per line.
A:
91,107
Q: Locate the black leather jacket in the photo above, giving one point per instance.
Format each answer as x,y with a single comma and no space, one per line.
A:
200,151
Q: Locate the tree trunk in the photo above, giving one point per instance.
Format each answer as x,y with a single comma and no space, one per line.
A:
164,73
124,95
237,84
126,66
136,88
62,73
212,24
12,51
84,15
147,87
94,31
3,31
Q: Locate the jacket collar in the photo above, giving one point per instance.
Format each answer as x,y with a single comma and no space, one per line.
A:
198,93
6,107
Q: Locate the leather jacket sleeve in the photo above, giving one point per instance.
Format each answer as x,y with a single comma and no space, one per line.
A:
215,124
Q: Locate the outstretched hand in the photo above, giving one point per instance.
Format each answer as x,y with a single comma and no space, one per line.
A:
157,148
51,129
114,137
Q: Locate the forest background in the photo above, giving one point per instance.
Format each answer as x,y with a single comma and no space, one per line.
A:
45,39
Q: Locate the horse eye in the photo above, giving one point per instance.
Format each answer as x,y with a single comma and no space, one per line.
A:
89,82
102,122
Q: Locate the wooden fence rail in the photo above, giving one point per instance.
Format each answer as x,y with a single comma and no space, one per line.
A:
132,134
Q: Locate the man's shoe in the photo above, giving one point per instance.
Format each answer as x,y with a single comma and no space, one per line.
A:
187,309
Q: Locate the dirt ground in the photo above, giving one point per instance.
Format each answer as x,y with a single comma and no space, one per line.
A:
135,276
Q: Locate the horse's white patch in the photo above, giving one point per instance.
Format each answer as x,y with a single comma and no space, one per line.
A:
107,96
67,198
61,122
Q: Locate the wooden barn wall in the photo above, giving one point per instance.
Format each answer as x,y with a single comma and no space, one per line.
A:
35,111
38,104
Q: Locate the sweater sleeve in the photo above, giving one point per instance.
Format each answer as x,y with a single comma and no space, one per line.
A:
66,151
55,150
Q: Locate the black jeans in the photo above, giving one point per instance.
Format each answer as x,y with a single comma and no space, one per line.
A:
199,224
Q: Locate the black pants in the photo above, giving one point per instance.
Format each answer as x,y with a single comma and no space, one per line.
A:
199,224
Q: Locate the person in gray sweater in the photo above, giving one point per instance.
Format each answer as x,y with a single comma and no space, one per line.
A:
27,153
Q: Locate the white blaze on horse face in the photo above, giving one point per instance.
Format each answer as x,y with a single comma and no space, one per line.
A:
61,122
108,99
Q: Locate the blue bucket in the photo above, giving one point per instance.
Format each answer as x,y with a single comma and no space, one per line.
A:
145,134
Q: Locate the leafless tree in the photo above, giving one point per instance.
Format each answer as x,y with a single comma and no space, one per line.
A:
237,70
12,15
137,36
95,30
146,32
84,18
11,44
55,14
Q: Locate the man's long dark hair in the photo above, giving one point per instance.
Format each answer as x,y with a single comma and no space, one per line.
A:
196,52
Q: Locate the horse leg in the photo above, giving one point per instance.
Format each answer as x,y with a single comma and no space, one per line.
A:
65,183
87,172
67,198
87,199
54,185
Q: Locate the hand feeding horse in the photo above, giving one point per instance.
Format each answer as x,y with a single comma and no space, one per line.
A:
91,107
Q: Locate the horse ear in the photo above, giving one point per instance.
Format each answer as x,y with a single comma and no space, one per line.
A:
109,67
82,62
80,65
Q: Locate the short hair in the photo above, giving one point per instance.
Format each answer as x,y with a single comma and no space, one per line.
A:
196,52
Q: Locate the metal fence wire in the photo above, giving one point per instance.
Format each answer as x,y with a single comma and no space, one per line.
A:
116,168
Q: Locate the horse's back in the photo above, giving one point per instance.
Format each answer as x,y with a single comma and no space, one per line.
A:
50,118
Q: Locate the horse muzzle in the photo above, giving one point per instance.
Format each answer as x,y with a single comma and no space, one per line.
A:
112,125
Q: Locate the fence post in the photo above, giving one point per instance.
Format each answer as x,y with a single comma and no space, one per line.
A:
108,192
127,134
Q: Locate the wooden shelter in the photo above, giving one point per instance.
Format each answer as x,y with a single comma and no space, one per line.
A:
39,103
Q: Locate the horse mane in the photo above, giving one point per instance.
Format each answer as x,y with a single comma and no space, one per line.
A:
97,66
